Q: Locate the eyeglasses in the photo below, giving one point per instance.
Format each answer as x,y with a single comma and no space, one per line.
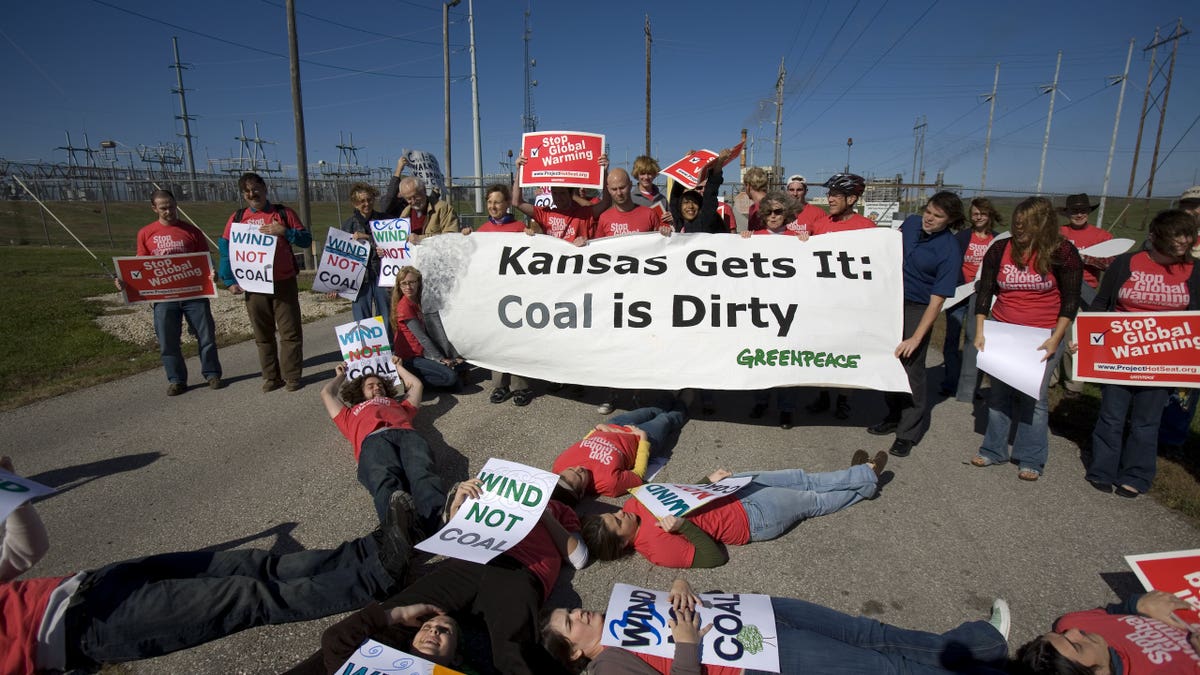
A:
409,284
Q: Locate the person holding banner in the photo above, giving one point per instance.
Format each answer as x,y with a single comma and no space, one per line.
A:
1034,278
807,214
1164,278
427,218
392,457
932,264
281,308
625,216
507,593
1139,636
499,201
372,300
755,181
811,639
613,457
845,190
695,210
766,508
961,372
169,236
567,218
421,342
164,603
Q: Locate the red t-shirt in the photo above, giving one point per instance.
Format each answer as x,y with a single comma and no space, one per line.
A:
493,226
973,256
1144,645
726,212
752,220
565,223
285,262
724,520
406,345
826,224
614,221
538,552
609,456
22,607
178,237
787,230
1088,235
357,422
1152,287
803,223
1025,297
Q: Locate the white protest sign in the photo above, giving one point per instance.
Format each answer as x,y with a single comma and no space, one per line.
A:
374,658
252,258
964,291
343,263
743,631
426,168
1107,249
514,496
16,490
1010,353
678,499
391,238
690,310
366,348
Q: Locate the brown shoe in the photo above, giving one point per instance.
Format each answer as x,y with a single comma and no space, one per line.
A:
881,460
215,382
859,457
176,388
271,385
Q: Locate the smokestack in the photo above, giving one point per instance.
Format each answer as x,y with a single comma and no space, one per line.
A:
743,160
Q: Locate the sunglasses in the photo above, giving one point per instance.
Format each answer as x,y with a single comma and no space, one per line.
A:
776,212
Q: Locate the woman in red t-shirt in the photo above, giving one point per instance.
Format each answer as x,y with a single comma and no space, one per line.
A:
420,340
1163,278
1034,278
961,373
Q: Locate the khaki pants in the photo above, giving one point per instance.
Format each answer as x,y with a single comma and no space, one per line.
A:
282,311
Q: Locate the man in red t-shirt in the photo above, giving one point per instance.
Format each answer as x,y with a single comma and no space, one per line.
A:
845,189
806,213
626,217
1082,234
392,456
565,219
169,236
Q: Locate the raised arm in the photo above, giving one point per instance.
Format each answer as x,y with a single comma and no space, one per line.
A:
329,393
517,202
414,389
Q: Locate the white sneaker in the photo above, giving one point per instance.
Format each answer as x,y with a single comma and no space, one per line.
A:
1001,618
605,408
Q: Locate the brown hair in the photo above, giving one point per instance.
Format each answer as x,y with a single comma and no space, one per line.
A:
985,205
951,205
756,177
558,645
602,543
645,164
789,205
1168,225
364,188
503,189
352,390
396,294
161,193
250,177
1037,215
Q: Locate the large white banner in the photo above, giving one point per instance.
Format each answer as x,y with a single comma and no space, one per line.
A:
678,499
252,258
514,496
366,349
742,636
343,263
391,238
16,490
375,658
691,310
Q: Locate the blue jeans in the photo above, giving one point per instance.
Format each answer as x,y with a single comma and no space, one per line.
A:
169,329
658,424
776,500
1133,462
951,354
432,373
400,459
968,377
161,604
373,301
1031,445
816,639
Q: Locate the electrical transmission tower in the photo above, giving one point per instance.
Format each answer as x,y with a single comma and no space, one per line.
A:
348,157
529,121
1164,94
183,113
918,170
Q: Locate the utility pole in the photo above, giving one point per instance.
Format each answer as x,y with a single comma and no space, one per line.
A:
475,113
648,41
529,120
1052,90
1123,78
1137,146
1162,116
919,149
776,168
987,143
298,112
446,86
187,131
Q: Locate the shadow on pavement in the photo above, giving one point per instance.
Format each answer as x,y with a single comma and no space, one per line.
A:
70,477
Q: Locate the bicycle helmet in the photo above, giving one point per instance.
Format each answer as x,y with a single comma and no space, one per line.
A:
846,183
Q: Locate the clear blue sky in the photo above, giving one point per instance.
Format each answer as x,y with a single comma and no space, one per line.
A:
856,68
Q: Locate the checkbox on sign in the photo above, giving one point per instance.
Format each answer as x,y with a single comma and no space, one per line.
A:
1097,339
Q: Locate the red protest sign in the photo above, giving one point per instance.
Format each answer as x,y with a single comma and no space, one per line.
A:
1175,572
1160,349
688,169
565,158
158,278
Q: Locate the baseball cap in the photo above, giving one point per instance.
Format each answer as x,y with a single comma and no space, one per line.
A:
798,177
1191,194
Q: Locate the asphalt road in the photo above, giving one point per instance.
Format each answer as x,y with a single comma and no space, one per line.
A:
140,473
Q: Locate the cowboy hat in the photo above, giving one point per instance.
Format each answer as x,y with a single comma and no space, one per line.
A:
1075,202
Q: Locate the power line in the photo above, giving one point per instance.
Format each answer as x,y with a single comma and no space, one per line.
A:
354,28
257,49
